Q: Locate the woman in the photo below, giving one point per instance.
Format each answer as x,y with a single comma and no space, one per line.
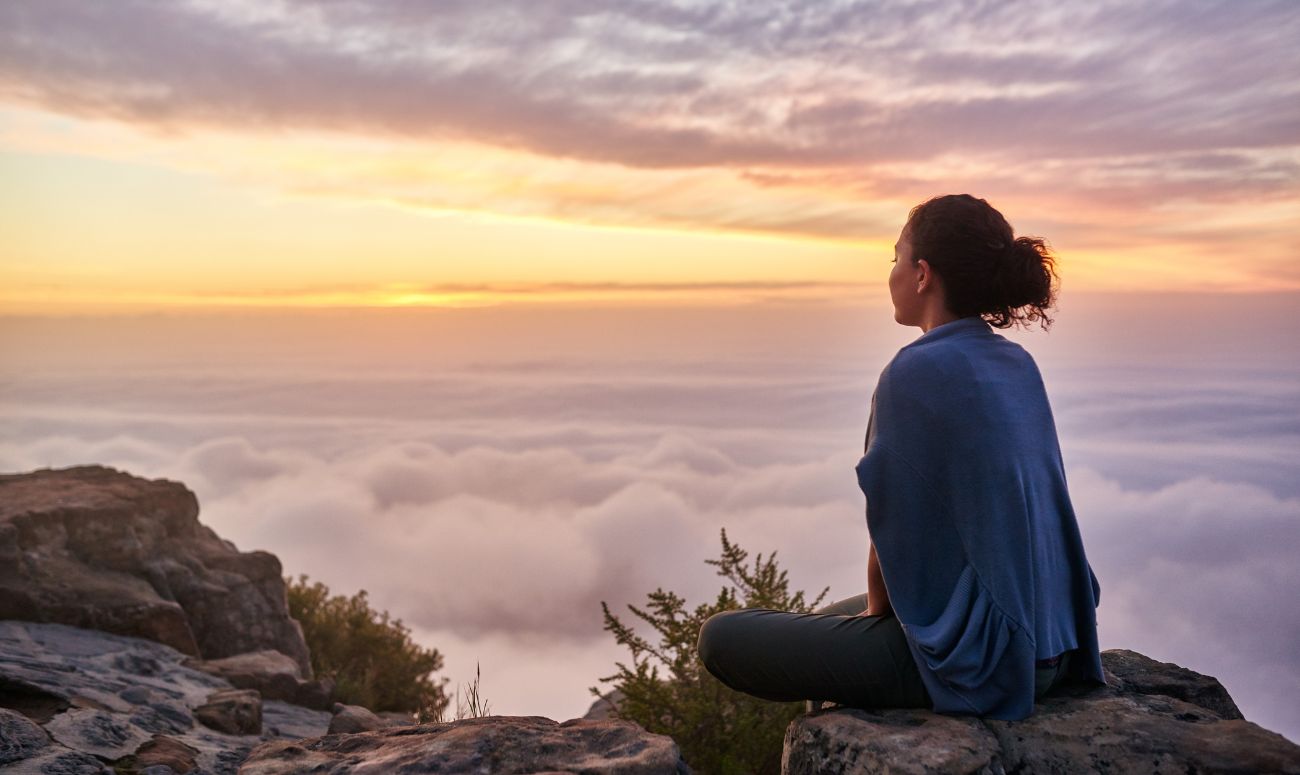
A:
980,597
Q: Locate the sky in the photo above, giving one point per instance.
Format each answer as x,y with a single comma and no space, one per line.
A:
227,152
498,310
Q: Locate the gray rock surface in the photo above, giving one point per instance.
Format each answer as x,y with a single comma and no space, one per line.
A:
605,706
97,548
160,755
100,700
20,737
233,711
495,744
1153,717
354,718
274,675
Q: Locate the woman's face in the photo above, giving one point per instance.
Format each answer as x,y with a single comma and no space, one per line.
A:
903,282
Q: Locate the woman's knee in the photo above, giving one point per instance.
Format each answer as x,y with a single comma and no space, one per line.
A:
717,635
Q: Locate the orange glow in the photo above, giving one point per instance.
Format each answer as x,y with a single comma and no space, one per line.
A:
101,216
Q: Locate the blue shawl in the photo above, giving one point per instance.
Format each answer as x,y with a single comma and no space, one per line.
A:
973,527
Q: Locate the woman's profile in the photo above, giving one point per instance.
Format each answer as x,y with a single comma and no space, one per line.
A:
980,596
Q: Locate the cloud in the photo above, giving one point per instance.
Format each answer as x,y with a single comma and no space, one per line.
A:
1194,572
498,497
1113,129
664,85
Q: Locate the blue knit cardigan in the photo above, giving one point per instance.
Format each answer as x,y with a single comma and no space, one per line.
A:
973,527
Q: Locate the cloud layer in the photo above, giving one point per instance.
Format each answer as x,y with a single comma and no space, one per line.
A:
493,503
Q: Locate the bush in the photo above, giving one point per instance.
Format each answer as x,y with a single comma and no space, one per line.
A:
372,660
719,731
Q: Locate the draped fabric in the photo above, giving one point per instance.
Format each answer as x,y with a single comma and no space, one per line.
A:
968,509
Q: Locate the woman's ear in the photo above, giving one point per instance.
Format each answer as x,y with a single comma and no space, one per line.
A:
924,275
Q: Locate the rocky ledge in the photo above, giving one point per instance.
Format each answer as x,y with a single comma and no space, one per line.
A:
97,548
495,744
80,701
1152,717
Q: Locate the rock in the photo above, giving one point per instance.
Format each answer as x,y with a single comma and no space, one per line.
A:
354,718
894,741
100,549
30,700
497,744
20,737
274,675
83,687
396,718
233,711
1153,717
57,760
157,753
605,706
102,733
1140,674
1139,733
281,719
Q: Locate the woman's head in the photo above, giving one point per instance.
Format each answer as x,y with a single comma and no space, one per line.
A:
982,267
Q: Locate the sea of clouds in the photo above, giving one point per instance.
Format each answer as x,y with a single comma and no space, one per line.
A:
490,477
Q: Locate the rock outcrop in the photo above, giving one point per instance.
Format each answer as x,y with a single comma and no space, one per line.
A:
96,548
76,700
275,676
233,711
1153,717
496,744
349,719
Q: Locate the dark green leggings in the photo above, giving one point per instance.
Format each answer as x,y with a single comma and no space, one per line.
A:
831,655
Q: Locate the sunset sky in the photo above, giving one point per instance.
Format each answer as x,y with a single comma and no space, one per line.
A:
501,309
219,152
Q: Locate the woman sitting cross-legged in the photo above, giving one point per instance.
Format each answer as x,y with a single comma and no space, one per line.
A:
980,597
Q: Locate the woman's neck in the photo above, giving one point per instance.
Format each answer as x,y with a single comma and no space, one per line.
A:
936,316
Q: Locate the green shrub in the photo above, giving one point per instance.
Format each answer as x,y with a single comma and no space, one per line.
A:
720,731
371,658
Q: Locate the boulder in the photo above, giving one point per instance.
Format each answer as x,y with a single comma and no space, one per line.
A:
233,711
98,732
354,718
605,706
20,737
100,549
1129,671
497,744
161,751
274,675
75,700
1152,717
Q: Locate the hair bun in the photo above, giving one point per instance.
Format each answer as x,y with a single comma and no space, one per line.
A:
986,269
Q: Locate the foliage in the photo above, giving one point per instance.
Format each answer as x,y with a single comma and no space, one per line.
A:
720,731
371,658
474,705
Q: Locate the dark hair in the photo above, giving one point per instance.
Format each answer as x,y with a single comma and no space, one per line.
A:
986,270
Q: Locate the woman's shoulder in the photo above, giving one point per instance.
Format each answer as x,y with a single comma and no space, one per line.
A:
972,350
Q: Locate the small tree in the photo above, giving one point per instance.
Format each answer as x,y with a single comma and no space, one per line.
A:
371,658
720,731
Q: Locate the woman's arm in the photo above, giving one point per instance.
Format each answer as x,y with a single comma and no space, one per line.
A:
877,595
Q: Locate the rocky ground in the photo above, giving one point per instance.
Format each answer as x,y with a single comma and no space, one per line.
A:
1152,717
74,700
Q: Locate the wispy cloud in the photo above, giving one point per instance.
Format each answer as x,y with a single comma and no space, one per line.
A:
1111,112
661,84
